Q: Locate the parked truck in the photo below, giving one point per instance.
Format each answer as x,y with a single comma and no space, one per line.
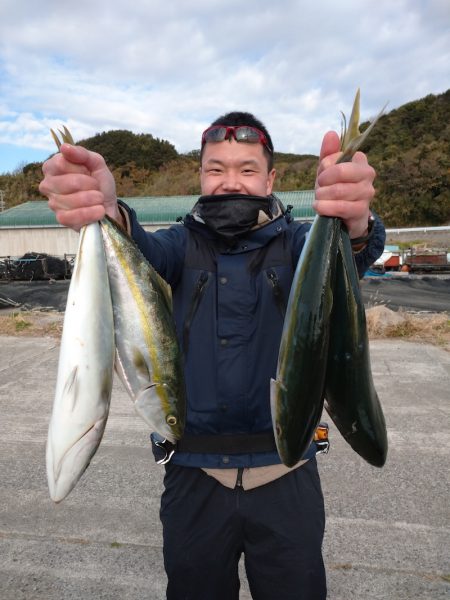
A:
434,261
412,260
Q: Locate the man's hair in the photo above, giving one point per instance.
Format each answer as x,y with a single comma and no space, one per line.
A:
245,118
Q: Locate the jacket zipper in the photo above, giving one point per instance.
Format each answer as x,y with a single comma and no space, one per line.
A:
277,291
196,297
239,477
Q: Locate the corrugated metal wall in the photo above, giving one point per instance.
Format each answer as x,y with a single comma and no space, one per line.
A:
56,241
31,227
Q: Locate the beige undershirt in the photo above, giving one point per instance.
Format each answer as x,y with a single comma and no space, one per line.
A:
251,477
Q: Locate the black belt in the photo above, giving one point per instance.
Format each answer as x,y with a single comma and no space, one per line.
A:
241,443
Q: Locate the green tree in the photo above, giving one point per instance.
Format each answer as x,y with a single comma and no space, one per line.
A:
121,147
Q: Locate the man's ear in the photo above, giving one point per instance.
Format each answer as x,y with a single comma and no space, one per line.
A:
270,180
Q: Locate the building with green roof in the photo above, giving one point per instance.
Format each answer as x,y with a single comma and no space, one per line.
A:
32,226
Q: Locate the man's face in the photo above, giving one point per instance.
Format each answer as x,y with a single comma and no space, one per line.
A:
235,167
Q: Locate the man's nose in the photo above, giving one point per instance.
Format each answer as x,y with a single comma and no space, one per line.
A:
231,183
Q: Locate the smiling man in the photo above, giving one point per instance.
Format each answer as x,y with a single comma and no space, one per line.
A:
230,266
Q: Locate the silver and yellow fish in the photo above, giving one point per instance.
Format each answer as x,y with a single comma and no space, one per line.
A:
85,369
86,364
148,358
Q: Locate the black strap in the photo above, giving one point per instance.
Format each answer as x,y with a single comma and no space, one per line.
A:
245,443
365,238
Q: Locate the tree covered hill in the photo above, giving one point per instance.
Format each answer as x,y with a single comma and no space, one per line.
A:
409,148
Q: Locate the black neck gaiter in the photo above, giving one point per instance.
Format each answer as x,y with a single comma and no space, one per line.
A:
232,215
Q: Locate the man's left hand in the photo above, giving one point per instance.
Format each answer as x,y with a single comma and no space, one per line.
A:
344,190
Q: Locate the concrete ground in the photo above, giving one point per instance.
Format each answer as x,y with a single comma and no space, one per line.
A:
387,533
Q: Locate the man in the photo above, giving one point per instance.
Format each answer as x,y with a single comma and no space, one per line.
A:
230,266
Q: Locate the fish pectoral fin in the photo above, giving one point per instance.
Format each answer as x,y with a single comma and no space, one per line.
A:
140,364
276,386
71,388
150,400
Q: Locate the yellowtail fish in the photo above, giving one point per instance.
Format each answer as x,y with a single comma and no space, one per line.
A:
297,393
351,398
85,369
148,358
86,364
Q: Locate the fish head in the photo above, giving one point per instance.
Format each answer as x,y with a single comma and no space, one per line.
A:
162,409
63,472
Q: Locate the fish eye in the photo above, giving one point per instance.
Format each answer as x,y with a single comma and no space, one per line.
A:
278,430
171,420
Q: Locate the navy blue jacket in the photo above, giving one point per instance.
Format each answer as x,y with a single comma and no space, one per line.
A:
228,308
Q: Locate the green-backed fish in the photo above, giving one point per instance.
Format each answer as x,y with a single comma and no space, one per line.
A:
296,395
85,369
351,398
148,357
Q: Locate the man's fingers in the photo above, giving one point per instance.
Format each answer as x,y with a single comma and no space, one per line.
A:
360,158
330,144
75,219
350,172
73,159
75,200
81,156
67,183
344,209
59,165
349,191
329,151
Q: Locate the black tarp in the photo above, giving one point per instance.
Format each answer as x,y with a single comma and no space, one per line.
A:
35,266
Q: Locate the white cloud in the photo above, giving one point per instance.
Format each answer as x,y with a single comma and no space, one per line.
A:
170,68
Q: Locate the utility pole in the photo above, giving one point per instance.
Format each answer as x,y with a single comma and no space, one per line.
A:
2,200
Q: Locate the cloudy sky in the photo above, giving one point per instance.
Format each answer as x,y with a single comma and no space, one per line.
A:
170,67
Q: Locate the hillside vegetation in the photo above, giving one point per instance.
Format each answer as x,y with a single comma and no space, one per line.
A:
409,148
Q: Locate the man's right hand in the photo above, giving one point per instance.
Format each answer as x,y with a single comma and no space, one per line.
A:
79,186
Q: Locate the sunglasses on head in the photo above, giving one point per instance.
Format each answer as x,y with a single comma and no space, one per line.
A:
241,133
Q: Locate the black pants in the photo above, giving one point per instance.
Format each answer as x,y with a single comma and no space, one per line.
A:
279,527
